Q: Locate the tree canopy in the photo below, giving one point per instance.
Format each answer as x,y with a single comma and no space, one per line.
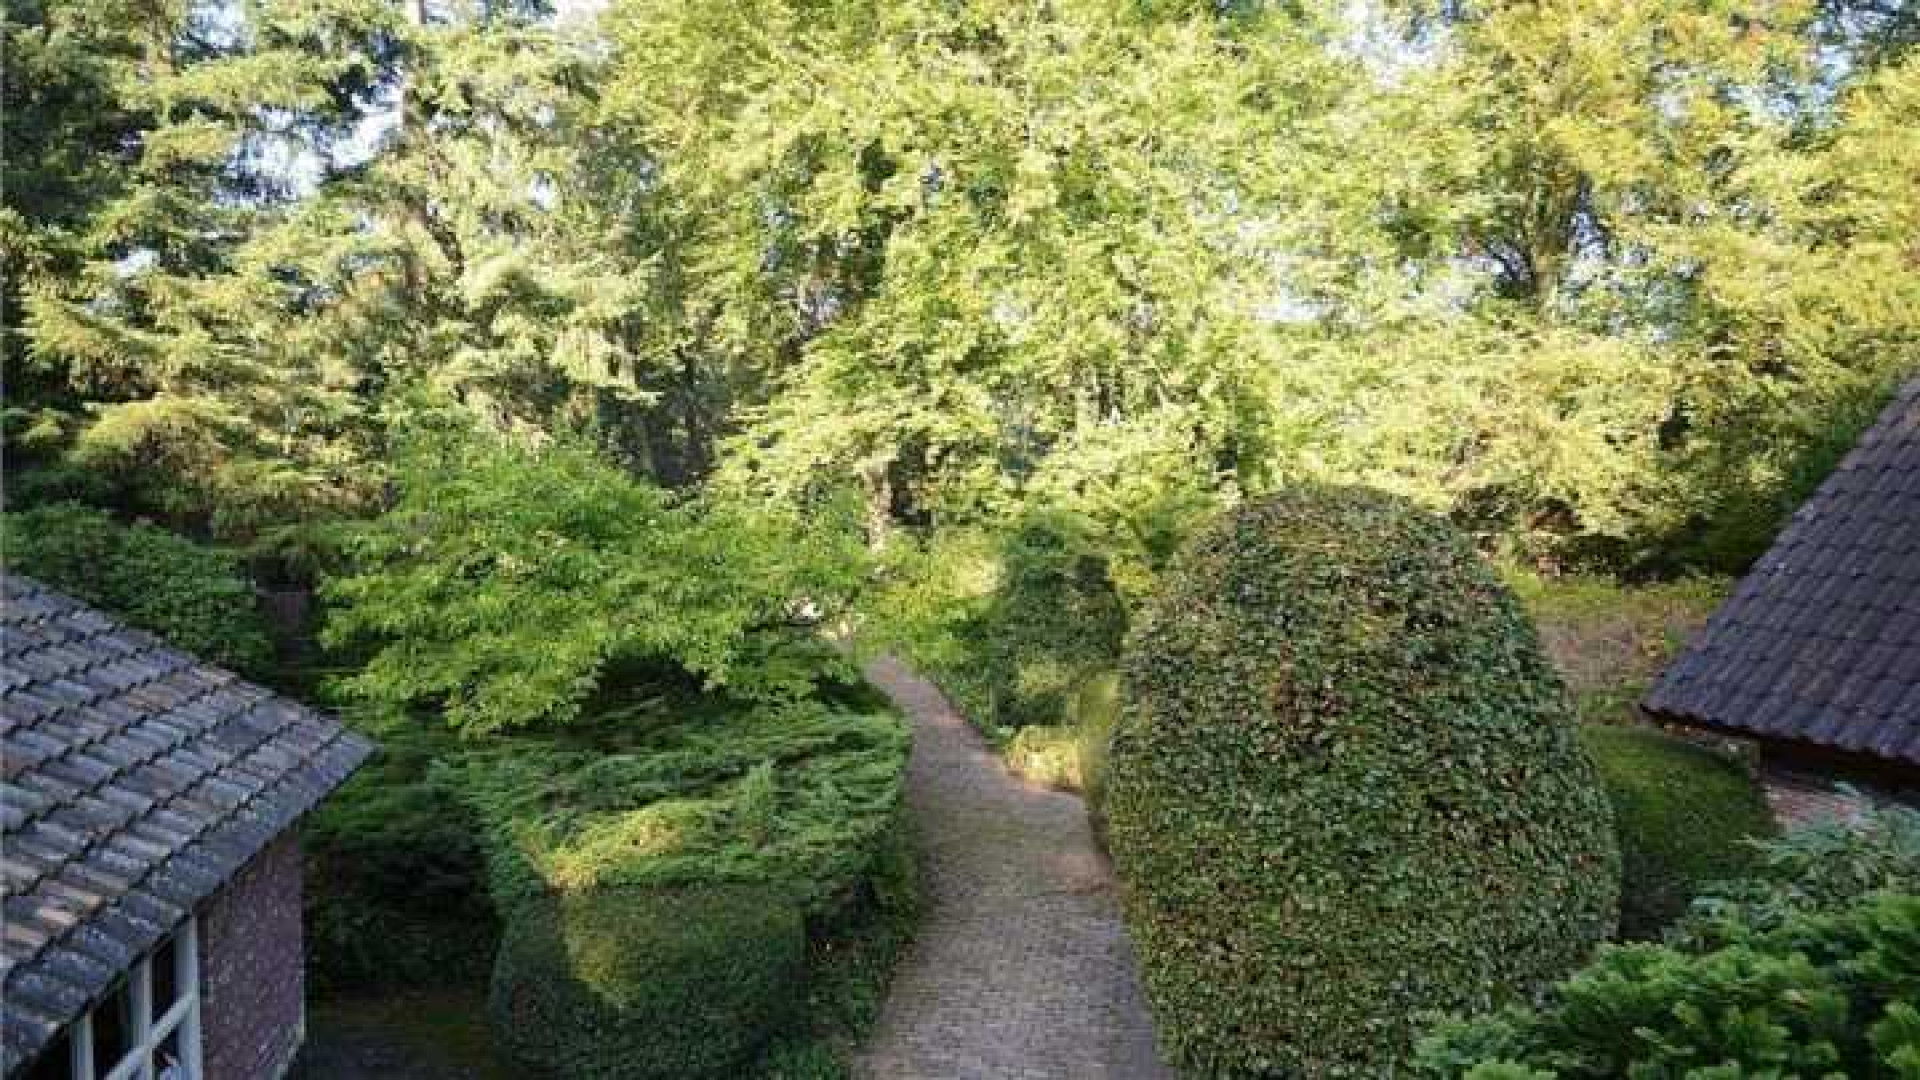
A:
1607,284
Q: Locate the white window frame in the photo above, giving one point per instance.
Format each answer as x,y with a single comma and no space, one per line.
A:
147,1032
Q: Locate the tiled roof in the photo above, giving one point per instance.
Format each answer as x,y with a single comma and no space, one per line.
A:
1821,641
137,781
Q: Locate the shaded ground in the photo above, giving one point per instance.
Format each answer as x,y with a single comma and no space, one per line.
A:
437,1034
1022,967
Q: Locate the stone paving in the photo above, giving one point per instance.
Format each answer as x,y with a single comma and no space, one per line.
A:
1022,969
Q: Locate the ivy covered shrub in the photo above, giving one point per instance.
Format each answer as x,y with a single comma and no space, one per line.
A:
1687,817
635,983
1810,968
1345,790
195,597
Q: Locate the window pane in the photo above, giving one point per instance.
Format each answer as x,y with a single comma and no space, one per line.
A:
166,979
113,1029
55,1064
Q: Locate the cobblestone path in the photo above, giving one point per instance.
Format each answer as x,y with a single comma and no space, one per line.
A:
1022,969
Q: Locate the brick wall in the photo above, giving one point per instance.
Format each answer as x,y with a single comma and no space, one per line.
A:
252,974
1803,798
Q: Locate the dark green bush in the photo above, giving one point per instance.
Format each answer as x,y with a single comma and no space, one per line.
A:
641,983
1055,618
195,597
396,886
1345,790
797,807
1686,817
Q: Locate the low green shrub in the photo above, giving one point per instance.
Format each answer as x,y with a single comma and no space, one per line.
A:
635,983
194,596
798,807
1810,969
796,798
1825,995
1819,868
1686,817
1345,790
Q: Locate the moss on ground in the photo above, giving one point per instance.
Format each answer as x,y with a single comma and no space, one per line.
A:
1687,818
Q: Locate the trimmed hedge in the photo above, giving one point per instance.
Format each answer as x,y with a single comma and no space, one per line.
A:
1686,816
638,983
196,597
1345,790
764,846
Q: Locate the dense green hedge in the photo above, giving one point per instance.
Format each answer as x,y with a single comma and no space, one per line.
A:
196,597
1345,789
1811,968
396,886
636,983
761,847
1054,618
1687,817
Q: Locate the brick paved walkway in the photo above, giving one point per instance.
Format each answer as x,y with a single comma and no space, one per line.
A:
1022,968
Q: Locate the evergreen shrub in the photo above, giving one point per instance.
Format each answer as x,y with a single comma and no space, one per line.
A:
640,983
196,597
1345,790
1809,968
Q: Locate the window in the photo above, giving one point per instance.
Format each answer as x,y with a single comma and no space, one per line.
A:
148,1028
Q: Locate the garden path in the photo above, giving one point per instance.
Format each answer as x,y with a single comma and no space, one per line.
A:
1022,969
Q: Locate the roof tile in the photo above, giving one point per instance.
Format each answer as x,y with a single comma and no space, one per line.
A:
137,781
1821,641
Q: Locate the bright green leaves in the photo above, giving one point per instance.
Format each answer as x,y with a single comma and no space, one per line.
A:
508,581
963,239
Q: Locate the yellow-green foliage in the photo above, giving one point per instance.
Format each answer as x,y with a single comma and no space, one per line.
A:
1610,639
1345,790
1073,754
1047,754
1009,622
794,798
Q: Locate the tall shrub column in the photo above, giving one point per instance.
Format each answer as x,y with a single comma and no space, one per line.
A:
1346,790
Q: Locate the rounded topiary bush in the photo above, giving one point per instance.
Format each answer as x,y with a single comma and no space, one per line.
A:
1345,790
638,983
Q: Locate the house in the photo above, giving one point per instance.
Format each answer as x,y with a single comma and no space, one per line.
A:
1815,658
152,871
